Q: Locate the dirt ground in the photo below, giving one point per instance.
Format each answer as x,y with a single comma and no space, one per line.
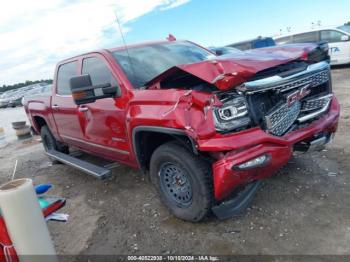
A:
304,209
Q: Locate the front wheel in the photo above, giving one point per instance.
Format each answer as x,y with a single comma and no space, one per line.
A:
183,181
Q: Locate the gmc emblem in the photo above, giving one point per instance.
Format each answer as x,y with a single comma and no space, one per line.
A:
297,95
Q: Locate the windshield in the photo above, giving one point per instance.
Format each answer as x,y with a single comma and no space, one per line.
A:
345,28
147,62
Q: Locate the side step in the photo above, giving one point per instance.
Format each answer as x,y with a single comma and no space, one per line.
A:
91,169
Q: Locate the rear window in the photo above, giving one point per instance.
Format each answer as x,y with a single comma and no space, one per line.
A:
263,43
284,40
331,36
306,37
65,73
242,46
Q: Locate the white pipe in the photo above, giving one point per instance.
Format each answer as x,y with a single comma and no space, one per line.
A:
25,221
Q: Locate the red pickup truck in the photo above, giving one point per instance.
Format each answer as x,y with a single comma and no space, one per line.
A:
206,129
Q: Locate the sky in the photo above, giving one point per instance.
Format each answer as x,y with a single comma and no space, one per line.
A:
36,34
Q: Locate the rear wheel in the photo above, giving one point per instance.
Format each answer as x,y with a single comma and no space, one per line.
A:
50,143
183,181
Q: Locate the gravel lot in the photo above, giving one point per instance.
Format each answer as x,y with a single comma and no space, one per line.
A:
304,209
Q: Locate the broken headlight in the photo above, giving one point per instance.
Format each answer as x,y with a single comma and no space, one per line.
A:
232,115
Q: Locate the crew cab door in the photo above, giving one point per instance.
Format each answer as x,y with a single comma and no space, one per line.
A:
104,127
64,109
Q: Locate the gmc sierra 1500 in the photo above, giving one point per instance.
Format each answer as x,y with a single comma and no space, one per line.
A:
206,129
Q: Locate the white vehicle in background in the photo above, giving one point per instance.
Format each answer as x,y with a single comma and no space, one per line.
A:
338,40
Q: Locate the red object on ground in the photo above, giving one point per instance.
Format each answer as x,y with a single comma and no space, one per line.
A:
7,251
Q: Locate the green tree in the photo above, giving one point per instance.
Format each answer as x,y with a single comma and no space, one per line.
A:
348,23
5,88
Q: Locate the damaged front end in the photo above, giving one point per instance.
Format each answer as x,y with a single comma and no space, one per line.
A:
249,113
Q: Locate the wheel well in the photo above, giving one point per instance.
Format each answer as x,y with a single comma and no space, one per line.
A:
147,141
39,122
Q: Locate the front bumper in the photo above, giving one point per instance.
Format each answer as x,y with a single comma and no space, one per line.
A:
249,144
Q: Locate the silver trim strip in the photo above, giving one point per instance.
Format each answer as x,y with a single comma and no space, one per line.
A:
77,166
276,81
316,99
314,114
97,145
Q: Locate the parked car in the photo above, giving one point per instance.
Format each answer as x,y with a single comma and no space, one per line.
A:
258,42
15,99
40,90
202,129
224,50
338,40
5,98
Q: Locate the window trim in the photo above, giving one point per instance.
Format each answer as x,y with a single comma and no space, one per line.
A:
57,72
340,41
309,32
106,62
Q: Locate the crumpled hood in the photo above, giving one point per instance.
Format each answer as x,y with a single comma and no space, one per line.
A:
231,70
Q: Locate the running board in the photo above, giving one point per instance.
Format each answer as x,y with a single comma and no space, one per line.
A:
84,166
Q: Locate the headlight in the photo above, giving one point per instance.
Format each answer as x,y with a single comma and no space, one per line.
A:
232,115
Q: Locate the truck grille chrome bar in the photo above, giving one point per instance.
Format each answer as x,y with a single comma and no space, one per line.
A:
315,74
279,121
295,99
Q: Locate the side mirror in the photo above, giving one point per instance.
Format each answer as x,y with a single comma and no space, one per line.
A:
84,92
345,38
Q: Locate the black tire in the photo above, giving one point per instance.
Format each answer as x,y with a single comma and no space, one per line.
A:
188,176
50,142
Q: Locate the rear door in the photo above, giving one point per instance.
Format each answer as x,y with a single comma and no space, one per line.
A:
309,37
104,127
65,111
339,49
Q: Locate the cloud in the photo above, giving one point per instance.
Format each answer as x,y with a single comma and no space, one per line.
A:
34,35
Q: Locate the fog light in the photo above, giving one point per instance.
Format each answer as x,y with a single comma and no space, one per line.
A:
256,162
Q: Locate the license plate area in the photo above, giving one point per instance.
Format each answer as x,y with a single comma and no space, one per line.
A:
317,143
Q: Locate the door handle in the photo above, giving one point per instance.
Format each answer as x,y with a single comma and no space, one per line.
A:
55,106
83,109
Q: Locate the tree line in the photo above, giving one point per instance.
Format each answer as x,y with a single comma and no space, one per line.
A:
5,88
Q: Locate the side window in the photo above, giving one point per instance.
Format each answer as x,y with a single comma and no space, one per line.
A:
284,40
331,36
306,37
65,73
242,46
98,71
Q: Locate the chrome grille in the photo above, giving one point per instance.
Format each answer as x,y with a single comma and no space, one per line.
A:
277,105
316,103
313,80
279,121
320,78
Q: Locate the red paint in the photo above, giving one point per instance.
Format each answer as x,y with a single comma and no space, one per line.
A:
106,128
256,143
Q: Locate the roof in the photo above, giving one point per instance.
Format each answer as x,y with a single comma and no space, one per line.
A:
250,40
312,30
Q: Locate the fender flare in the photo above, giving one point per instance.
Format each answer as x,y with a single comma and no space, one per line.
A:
155,129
